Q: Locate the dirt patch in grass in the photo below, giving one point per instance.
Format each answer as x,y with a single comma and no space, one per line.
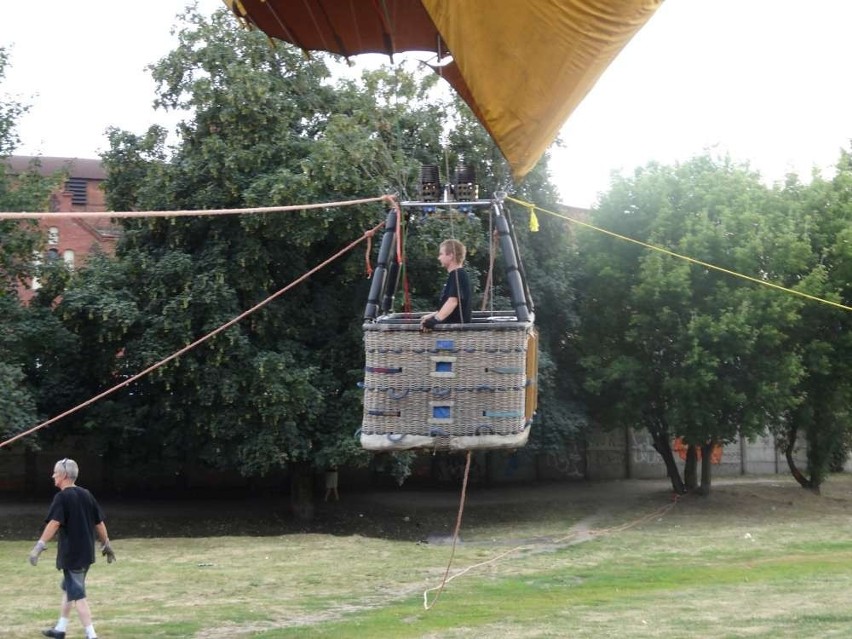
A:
535,511
403,514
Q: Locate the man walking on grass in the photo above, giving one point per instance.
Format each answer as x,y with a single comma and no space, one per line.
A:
77,517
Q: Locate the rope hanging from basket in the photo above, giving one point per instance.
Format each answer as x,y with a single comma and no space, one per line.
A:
403,267
488,290
400,255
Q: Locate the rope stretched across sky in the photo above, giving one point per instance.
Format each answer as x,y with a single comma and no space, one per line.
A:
28,215
532,208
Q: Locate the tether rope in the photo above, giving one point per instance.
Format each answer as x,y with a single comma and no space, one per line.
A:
446,580
692,260
188,347
659,512
28,215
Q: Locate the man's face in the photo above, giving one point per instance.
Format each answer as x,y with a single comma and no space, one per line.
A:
58,474
444,257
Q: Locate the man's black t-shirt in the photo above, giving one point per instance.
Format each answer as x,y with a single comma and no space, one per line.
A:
458,286
78,513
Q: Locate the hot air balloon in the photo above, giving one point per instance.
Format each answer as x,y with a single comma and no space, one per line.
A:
522,66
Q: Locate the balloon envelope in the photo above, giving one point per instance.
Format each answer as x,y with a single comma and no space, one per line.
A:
522,66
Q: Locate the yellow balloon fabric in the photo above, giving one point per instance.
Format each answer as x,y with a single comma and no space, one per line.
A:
528,64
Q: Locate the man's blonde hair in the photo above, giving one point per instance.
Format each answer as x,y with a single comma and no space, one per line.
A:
456,249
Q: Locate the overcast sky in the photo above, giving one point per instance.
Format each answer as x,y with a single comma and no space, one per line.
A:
763,80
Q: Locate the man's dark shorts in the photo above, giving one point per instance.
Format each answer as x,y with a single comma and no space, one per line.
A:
74,584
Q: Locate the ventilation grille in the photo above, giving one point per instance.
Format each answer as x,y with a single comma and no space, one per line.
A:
77,188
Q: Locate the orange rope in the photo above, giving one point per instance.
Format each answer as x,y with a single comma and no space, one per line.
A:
445,580
659,512
367,251
27,215
197,342
406,288
398,211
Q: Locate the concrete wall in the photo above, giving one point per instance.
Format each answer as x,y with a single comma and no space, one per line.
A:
628,454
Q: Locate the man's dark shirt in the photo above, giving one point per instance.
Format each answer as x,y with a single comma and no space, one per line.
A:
78,513
458,286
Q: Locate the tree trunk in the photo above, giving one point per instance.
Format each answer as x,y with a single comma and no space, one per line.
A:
302,491
804,482
664,448
690,468
706,467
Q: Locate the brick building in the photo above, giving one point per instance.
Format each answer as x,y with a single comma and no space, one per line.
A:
71,239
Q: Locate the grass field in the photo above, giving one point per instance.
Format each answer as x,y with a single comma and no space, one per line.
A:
759,558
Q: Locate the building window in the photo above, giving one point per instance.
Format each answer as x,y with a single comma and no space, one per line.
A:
52,254
68,256
77,187
53,235
35,285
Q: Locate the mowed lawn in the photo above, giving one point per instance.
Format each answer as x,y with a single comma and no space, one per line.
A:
758,558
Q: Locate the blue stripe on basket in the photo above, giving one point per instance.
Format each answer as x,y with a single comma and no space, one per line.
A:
503,413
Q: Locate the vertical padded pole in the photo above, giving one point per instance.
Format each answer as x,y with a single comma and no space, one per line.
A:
380,274
510,260
390,287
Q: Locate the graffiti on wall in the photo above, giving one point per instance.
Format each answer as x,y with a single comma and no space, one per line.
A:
566,463
642,448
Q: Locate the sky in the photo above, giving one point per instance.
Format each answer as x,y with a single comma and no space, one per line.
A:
760,80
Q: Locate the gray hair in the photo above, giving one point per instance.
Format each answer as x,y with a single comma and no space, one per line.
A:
69,467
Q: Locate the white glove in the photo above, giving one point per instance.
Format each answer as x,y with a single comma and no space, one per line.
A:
36,551
106,551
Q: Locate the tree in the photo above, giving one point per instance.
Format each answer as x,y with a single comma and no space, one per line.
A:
277,390
264,127
19,239
822,414
23,331
280,389
680,349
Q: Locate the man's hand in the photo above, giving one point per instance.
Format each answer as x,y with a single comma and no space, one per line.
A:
36,551
106,551
429,322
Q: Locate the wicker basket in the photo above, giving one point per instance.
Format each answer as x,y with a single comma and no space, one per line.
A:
458,387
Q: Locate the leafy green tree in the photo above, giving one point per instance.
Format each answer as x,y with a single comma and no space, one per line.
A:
264,127
19,239
10,111
280,389
23,331
276,390
679,349
823,333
